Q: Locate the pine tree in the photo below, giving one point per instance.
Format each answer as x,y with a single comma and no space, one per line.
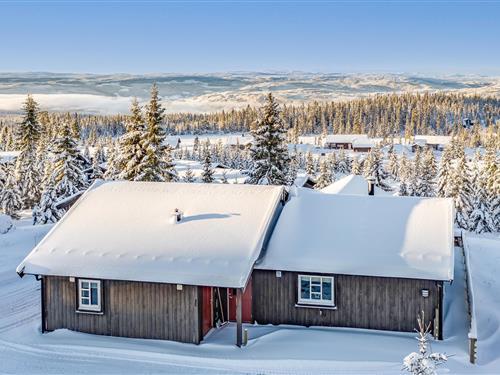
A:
356,166
460,191
325,175
10,196
131,146
310,166
428,171
373,167
97,172
269,151
479,220
28,177
224,177
207,176
169,171
67,173
152,168
46,212
189,175
445,173
292,170
393,165
112,169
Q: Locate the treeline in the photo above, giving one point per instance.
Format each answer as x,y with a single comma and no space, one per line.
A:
383,115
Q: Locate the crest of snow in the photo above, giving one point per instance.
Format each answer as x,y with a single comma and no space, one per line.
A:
123,230
6,223
434,139
372,236
351,185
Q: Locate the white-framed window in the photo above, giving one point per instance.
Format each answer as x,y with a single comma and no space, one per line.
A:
316,290
89,295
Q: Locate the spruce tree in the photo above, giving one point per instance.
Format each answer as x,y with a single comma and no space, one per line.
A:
152,168
373,167
46,212
393,165
461,190
356,166
131,146
27,174
292,170
428,171
207,176
67,173
112,169
479,220
269,151
310,165
189,175
10,196
325,175
445,173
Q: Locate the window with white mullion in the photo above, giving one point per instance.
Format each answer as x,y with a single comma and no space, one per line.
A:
89,295
315,290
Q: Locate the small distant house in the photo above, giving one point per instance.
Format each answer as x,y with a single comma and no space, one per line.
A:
241,143
305,181
362,145
435,142
342,141
419,145
352,261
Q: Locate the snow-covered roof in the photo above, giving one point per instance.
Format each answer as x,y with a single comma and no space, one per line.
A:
351,185
344,138
402,237
363,142
434,139
126,231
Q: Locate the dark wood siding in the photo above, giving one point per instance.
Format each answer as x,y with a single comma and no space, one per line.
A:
361,301
131,309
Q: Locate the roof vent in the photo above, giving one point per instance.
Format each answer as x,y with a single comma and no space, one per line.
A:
177,216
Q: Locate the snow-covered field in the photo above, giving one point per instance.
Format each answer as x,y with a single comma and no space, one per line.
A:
277,350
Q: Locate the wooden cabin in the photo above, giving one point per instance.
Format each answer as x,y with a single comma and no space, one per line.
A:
154,260
356,261
173,261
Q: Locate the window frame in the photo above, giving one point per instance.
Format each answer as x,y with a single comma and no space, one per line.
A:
315,302
89,308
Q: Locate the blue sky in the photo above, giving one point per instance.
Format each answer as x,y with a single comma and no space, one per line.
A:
206,36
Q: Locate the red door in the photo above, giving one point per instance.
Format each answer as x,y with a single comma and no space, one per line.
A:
246,311
206,309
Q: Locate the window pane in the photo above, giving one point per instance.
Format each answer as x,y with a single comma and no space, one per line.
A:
93,285
304,288
85,293
315,288
85,285
327,289
315,295
316,280
85,301
93,297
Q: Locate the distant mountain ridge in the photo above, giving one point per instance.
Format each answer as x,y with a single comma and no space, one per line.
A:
111,93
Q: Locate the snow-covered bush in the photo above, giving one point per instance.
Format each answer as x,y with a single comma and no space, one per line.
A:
6,223
423,363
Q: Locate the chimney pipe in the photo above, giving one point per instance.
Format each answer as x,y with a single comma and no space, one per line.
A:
371,186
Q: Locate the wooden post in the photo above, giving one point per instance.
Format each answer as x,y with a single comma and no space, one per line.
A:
239,325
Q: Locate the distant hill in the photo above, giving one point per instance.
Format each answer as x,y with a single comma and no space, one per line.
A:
199,93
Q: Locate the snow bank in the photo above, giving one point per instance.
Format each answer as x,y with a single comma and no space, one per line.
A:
372,236
351,185
6,223
123,231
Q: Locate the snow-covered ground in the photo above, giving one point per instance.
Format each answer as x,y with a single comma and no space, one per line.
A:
484,257
277,350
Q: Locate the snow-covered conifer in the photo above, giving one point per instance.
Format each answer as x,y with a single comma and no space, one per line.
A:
189,175
310,165
393,166
67,173
356,166
423,362
269,151
325,175
444,173
461,190
10,196
152,163
292,170
373,167
207,175
46,212
224,178
428,171
28,176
